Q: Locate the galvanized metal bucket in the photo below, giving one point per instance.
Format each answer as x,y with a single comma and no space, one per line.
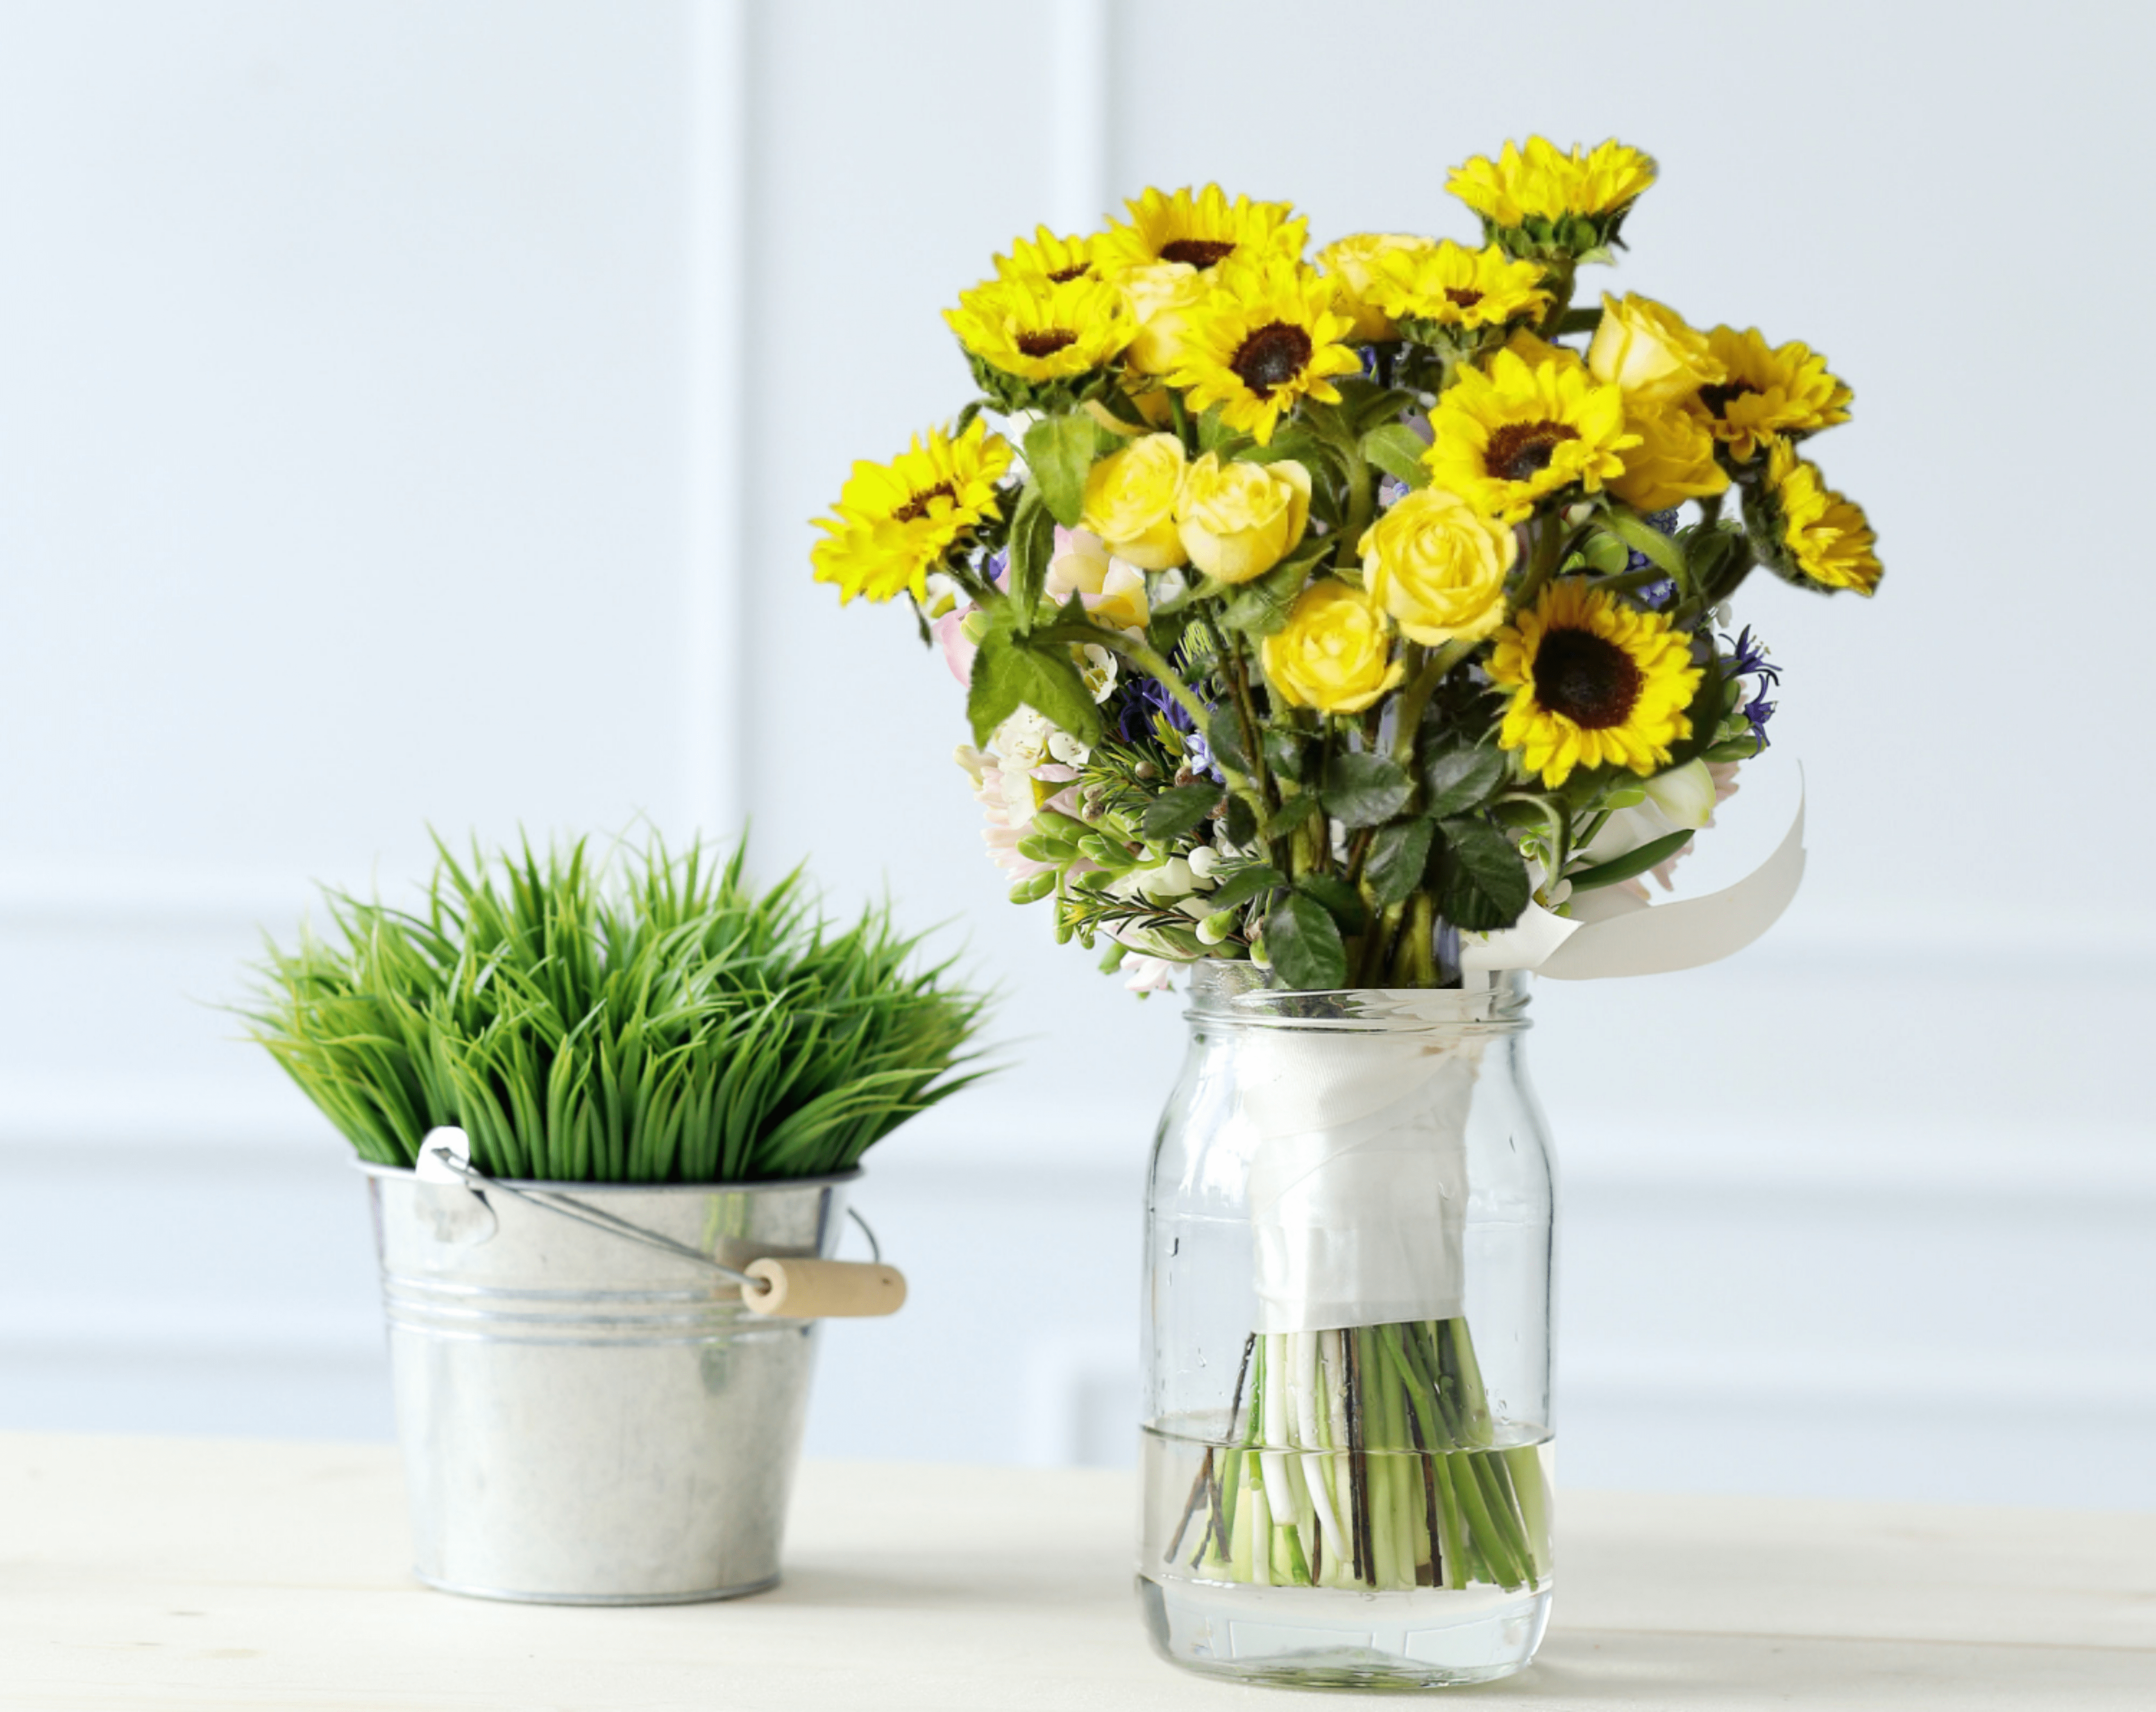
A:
587,1421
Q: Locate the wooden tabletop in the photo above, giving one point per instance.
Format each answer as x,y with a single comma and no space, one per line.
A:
232,1576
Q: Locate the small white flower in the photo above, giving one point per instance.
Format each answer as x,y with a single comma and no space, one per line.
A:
1204,860
1067,748
1097,667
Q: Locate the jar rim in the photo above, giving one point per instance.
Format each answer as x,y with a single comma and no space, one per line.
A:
1236,993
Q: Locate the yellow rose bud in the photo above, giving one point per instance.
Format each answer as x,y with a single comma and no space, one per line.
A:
1237,520
1130,502
1438,566
1161,298
1648,352
1673,462
1349,264
1333,653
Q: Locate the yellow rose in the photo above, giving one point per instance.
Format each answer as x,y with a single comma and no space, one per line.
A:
1348,265
1438,566
1161,298
1333,653
1237,520
1130,502
1673,462
1648,351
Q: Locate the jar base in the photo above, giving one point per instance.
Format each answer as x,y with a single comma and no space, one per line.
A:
1326,1637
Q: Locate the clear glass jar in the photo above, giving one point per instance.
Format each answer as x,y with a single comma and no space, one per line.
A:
1343,1486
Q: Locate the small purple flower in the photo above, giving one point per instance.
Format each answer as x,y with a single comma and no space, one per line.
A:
1656,597
1747,659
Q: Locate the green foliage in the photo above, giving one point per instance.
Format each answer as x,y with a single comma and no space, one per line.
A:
1304,943
1363,790
1008,672
1059,451
652,1020
1632,861
1482,885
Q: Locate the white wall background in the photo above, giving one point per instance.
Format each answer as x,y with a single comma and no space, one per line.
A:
409,412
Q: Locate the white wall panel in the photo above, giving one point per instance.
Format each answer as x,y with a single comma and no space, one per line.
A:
413,412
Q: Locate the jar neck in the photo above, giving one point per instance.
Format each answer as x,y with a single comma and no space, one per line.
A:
1222,990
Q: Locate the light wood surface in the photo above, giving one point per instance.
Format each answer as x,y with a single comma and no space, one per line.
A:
234,1577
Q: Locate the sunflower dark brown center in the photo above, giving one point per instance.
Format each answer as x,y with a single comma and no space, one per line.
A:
1046,342
1064,276
1591,681
1520,451
1271,358
1717,396
1197,252
1466,296
918,505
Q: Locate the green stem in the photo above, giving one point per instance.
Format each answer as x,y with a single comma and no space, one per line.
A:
1548,555
1416,696
1361,501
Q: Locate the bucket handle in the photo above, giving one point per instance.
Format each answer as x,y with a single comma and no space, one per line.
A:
790,1287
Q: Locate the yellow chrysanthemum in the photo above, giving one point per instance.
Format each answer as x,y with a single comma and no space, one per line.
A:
1045,254
1264,337
1827,538
1349,262
1543,183
894,522
1594,683
1201,230
1030,325
1768,392
1510,431
1456,286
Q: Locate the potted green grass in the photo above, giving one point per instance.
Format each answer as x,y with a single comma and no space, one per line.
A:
608,1111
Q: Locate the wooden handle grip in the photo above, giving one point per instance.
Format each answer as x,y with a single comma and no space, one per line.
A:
824,1290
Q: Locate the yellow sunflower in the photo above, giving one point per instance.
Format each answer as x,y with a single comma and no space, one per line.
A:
1768,392
1061,259
1510,431
1029,326
1826,541
1263,337
894,522
1453,286
1543,183
1594,683
1200,230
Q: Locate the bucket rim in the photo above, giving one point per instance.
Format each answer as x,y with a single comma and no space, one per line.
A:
367,1168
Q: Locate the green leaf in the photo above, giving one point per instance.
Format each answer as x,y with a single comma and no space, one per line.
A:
1397,450
1259,607
1007,674
1179,810
1292,814
1242,822
1032,545
1482,885
1305,448
1341,901
1398,855
1632,861
1303,943
1224,736
1243,885
1286,753
1604,553
1366,404
1364,790
1458,779
1643,537
1059,451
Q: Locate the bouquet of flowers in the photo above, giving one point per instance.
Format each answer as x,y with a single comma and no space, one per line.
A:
1334,614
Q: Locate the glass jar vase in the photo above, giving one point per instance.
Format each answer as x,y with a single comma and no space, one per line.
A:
1347,1442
